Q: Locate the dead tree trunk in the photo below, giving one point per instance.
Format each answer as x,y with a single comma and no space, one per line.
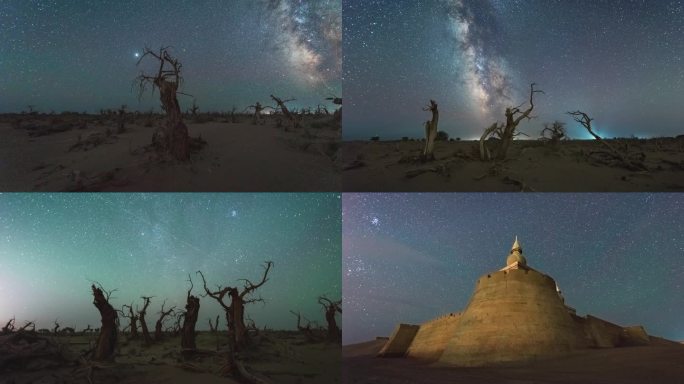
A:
430,132
485,154
213,327
160,321
192,307
237,331
106,342
305,330
294,119
133,320
623,159
194,109
122,120
9,327
258,108
173,137
337,115
512,121
26,326
56,328
331,309
143,324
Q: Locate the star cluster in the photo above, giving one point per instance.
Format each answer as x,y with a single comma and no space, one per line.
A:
408,258
82,55
619,61
51,246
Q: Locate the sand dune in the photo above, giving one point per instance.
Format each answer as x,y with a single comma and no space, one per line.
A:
238,156
278,356
660,362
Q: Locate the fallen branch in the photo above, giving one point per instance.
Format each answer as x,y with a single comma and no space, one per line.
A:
624,160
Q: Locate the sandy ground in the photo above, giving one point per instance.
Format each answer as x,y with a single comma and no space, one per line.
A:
656,363
280,356
532,166
238,157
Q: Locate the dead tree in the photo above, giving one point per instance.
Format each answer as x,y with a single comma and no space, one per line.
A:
55,329
508,131
106,342
633,162
143,324
9,327
258,108
160,321
193,110
237,330
27,325
337,115
305,329
554,132
235,311
294,119
430,132
133,318
322,109
173,137
192,306
494,129
332,308
122,120
251,326
177,326
213,327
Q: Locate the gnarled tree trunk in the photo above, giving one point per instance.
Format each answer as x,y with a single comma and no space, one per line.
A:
430,132
237,316
192,307
160,321
512,122
331,309
174,137
106,342
143,324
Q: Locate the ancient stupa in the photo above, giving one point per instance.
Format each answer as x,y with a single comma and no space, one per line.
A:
516,314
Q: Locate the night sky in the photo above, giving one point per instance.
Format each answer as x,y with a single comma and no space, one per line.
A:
411,257
81,55
146,244
620,61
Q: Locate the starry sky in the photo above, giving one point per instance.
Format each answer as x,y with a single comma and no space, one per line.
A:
80,55
620,61
412,257
51,245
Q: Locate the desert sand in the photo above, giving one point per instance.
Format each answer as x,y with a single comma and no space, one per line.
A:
530,166
277,356
660,362
85,153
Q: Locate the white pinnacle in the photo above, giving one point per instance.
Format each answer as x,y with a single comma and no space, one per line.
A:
516,245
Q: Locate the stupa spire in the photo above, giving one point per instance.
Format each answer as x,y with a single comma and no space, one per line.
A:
515,255
516,245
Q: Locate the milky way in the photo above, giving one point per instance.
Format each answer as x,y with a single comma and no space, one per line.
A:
81,55
52,245
483,70
309,28
408,258
619,61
